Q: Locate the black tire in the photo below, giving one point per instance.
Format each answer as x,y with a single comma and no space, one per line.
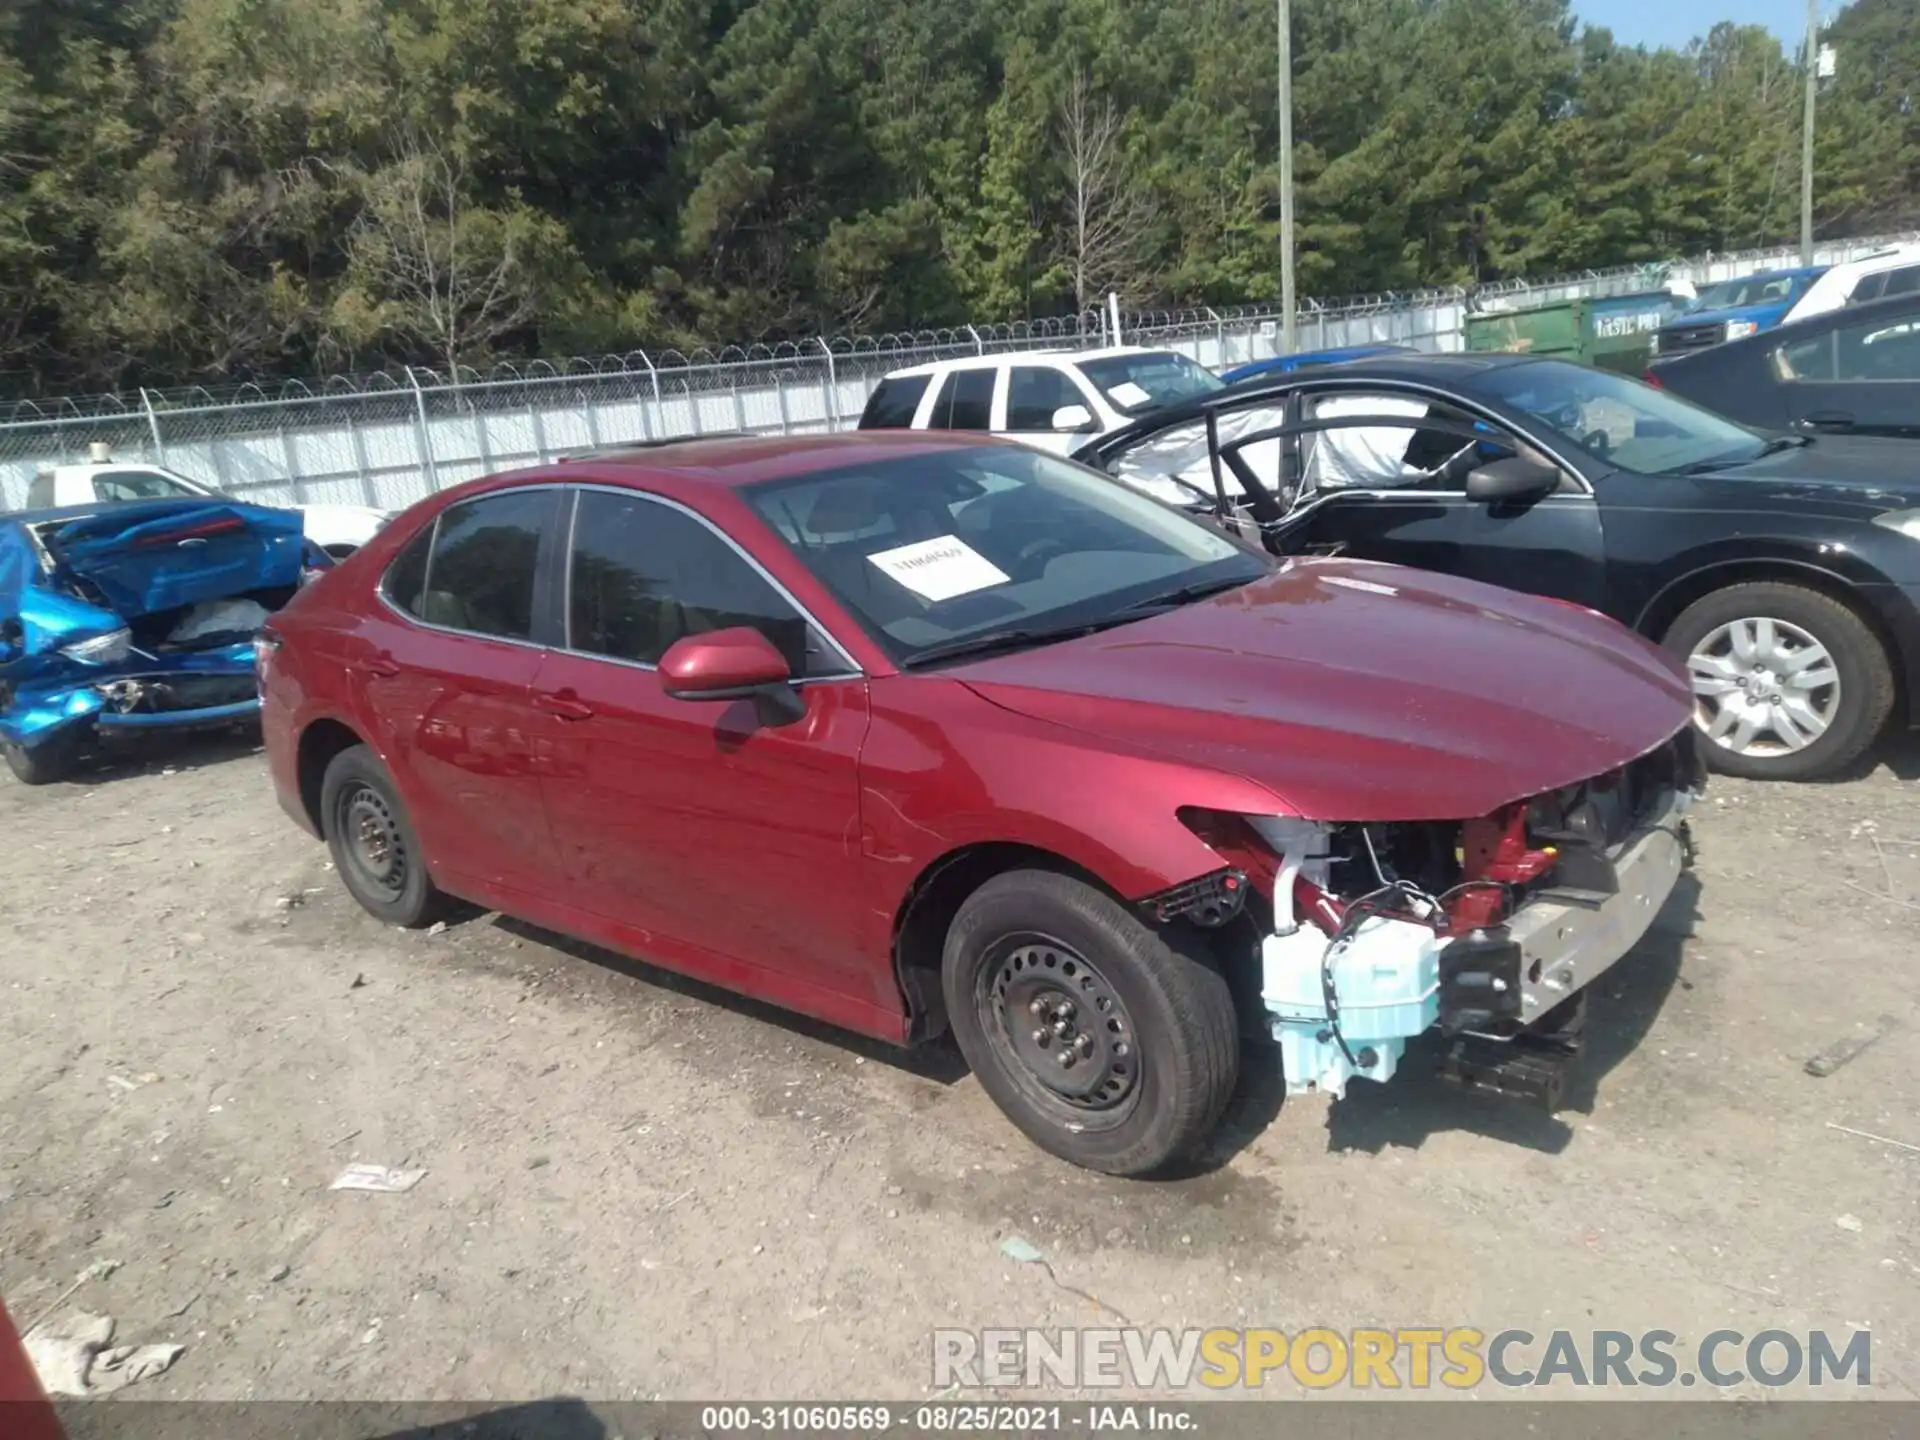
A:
374,845
1866,689
1034,933
46,763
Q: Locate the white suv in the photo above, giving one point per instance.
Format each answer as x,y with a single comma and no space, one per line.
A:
1053,399
1872,277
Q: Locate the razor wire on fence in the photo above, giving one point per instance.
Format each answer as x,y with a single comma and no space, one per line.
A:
389,439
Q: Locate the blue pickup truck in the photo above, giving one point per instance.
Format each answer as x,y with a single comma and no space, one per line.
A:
1733,309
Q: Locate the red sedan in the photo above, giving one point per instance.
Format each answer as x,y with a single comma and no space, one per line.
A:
917,733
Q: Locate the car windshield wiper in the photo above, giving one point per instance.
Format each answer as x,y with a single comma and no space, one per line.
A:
1012,638
1771,447
1021,636
1186,594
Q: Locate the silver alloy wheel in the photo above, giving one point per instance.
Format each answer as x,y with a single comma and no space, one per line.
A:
1763,687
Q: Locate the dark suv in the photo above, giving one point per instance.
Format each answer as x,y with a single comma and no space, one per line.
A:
1854,371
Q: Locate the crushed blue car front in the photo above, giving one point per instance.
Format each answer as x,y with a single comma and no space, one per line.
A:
111,617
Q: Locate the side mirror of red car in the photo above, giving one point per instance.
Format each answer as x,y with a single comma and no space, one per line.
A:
738,663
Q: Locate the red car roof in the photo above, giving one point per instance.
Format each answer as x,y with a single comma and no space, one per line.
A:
735,460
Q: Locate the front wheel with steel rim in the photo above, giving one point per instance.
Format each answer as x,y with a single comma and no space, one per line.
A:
373,842
1788,683
1111,1044
1048,1010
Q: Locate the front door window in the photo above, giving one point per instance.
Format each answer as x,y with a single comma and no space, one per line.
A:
645,574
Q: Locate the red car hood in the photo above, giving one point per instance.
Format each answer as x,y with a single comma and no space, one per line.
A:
1359,691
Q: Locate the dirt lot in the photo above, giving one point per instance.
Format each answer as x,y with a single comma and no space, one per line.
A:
639,1187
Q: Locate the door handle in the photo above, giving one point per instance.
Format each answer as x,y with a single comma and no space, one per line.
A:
563,704
382,665
1838,418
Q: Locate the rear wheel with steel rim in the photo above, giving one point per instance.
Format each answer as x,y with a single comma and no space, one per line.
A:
373,842
1788,683
1110,1043
376,853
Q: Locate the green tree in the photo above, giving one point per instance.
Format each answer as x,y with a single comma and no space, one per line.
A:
197,190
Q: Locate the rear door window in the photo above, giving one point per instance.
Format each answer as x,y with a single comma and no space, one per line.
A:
483,561
1878,352
893,404
1904,281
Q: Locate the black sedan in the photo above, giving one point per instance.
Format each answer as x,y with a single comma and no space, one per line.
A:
1783,569
1854,371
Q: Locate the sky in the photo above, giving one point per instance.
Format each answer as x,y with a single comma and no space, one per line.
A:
1674,22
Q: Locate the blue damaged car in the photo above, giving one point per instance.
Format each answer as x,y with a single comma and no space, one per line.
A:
131,618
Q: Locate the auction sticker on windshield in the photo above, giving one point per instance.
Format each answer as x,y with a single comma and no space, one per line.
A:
940,568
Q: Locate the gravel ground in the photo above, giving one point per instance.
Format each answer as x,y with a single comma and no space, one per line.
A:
637,1186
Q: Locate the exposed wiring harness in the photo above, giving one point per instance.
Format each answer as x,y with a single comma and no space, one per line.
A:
1374,904
1394,899
1421,904
1465,885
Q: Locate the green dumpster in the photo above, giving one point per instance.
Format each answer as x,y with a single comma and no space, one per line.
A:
1615,331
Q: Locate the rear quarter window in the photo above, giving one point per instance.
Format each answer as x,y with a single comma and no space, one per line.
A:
405,582
893,403
40,492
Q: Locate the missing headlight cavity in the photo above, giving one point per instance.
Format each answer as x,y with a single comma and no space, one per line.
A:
1209,902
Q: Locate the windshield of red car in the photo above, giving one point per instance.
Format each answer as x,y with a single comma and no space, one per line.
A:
931,549
1618,418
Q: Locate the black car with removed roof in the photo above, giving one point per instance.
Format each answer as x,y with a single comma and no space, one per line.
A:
1782,568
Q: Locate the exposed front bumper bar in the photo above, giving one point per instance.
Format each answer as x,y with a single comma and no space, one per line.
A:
178,719
1565,946
181,691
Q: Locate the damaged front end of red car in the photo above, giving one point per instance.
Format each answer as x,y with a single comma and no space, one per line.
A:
1489,929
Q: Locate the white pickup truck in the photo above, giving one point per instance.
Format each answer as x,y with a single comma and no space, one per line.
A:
337,529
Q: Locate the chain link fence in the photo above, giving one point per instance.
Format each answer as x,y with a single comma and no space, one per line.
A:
388,440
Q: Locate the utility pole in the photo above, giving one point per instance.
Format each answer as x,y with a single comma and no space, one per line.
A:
1806,133
1289,333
